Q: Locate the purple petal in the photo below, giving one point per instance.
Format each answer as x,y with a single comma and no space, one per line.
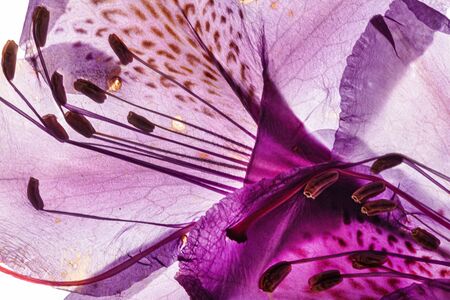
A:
282,142
219,99
406,93
61,248
171,46
307,43
215,267
397,103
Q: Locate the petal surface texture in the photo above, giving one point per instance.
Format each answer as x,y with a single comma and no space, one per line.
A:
216,267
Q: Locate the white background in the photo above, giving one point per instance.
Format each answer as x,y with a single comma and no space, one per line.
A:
11,20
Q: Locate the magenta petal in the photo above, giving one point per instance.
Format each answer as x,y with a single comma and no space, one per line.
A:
283,142
215,267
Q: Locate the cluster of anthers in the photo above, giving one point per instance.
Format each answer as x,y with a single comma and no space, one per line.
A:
118,147
364,196
122,148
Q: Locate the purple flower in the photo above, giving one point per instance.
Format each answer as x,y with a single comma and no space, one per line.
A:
130,119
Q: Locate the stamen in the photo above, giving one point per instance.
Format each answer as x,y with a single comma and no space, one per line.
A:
274,275
171,79
386,162
367,260
377,207
116,123
120,49
41,17
9,58
425,239
420,206
55,128
418,166
108,136
368,191
90,90
238,232
99,95
427,226
24,115
206,183
325,280
79,123
140,122
57,87
188,124
170,160
371,252
386,274
37,202
316,185
34,195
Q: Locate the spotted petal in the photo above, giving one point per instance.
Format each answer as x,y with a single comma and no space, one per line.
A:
215,267
59,247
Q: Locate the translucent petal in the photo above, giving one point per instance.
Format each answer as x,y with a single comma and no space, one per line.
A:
398,103
61,247
170,45
215,267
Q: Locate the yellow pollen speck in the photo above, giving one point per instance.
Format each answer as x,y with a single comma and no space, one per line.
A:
239,156
274,5
178,126
57,220
184,240
290,13
114,84
77,267
203,155
246,1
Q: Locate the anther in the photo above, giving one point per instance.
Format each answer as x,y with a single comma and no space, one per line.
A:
386,162
52,124
274,275
34,195
425,239
325,280
120,49
316,185
367,260
9,58
90,90
368,191
79,123
41,18
57,86
377,207
140,122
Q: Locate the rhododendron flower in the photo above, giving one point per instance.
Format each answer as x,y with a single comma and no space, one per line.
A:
315,134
